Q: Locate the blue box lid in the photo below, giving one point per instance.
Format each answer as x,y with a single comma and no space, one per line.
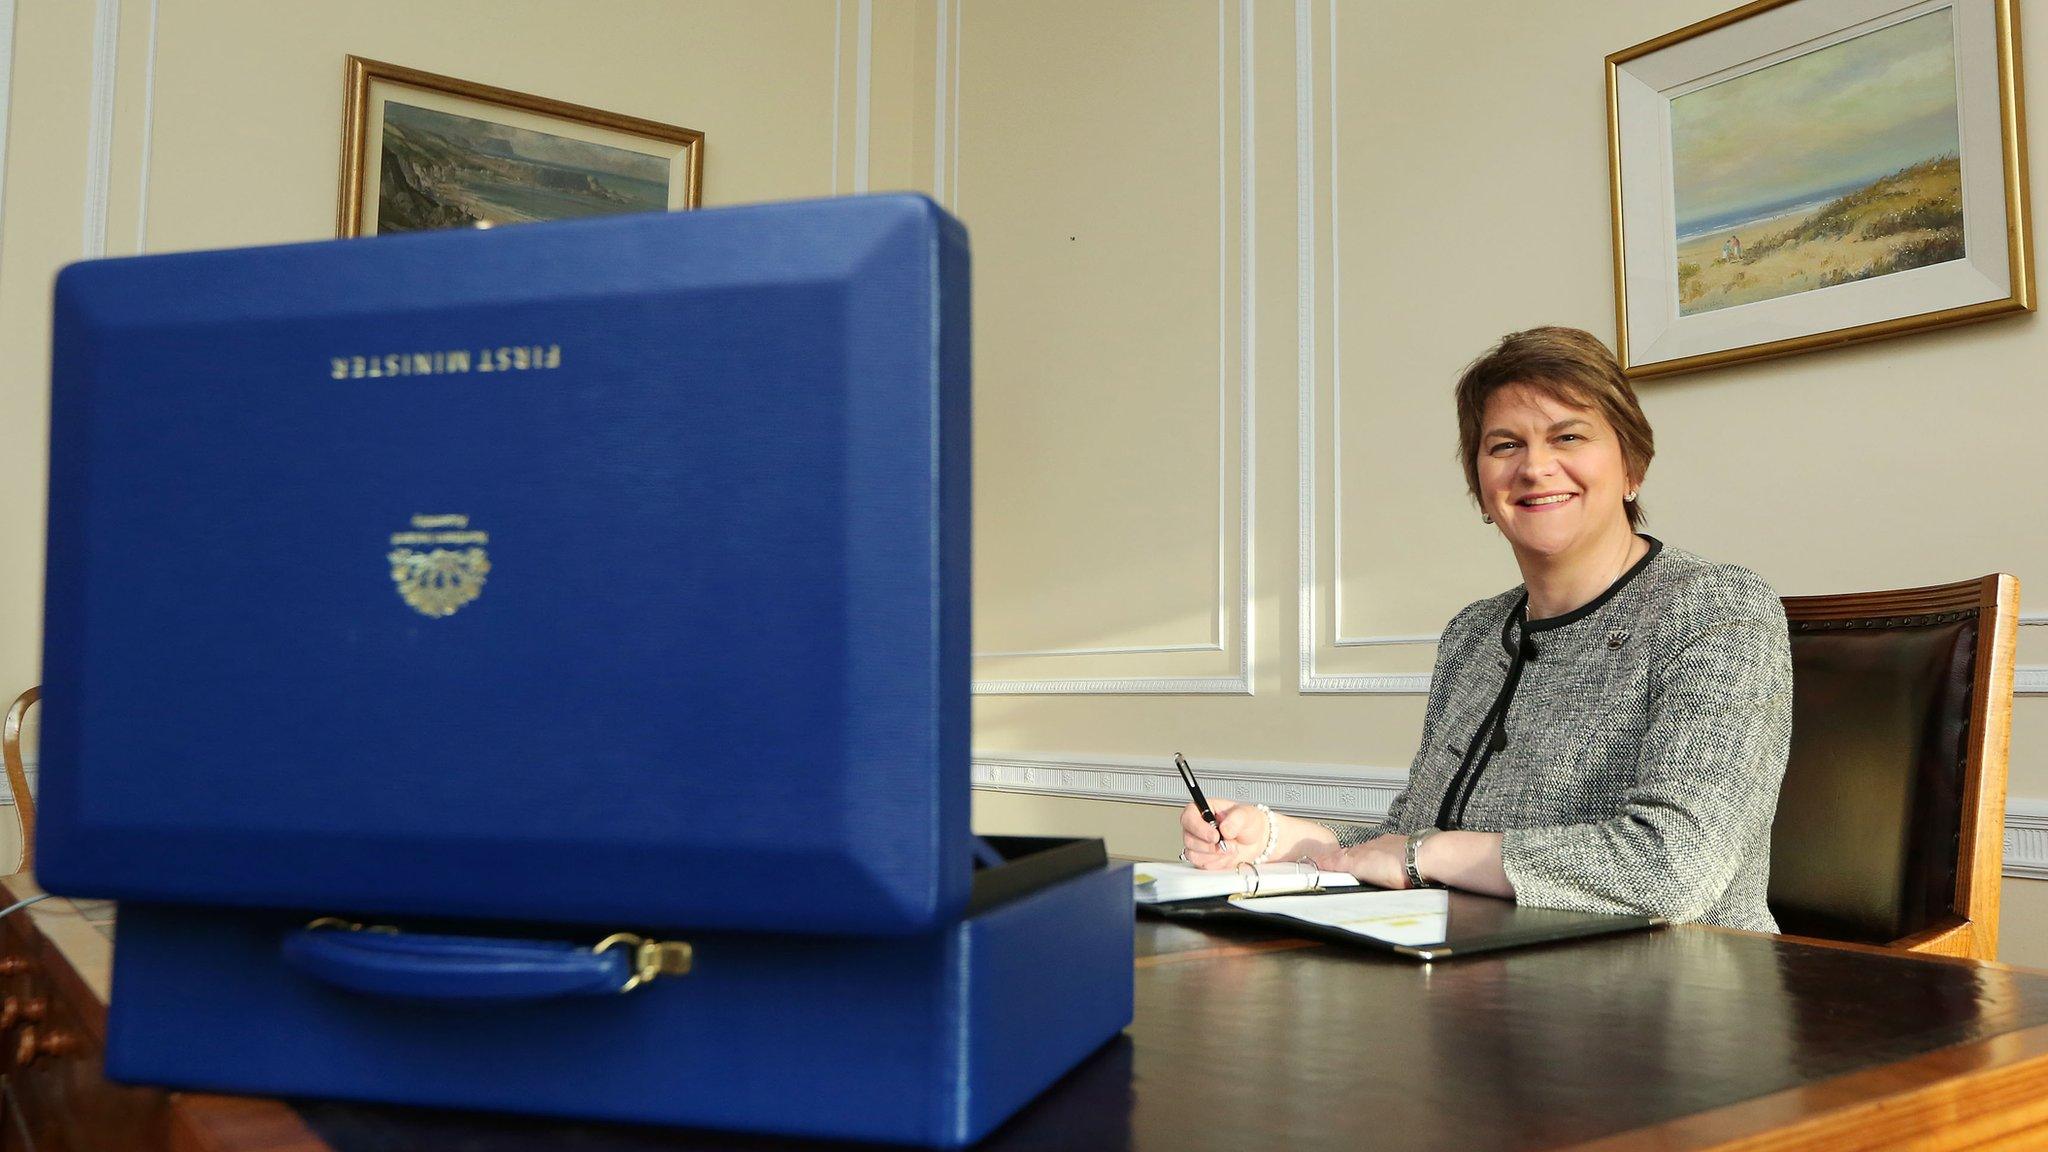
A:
609,572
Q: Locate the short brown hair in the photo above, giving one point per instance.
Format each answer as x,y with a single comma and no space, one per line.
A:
1570,366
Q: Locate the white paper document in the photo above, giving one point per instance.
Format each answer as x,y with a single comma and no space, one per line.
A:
1415,918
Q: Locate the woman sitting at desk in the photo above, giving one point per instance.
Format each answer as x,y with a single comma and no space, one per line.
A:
1608,737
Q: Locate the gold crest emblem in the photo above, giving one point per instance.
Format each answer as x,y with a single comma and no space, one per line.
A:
438,581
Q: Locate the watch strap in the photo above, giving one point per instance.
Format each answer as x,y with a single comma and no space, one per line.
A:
1415,840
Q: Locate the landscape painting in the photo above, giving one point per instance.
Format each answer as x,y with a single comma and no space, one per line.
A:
420,151
440,170
1839,165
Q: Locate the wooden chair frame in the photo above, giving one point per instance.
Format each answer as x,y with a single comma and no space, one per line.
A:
17,774
1972,929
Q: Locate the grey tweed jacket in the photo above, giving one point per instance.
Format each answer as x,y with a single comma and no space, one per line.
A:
1644,744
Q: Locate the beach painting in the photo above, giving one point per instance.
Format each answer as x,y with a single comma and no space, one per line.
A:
441,170
1838,165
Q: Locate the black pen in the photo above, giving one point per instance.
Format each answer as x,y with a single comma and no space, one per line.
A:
1187,777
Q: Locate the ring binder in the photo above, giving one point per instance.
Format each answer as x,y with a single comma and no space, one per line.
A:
1163,883
1300,876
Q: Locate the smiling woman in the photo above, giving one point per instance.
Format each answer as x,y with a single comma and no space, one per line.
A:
1555,449
1610,735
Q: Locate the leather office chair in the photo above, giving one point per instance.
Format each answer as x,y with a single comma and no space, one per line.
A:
17,776
1891,825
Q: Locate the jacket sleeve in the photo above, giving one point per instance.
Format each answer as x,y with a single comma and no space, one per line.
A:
1396,819
1706,786
1350,834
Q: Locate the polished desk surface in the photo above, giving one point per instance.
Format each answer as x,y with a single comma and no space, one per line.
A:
1683,1037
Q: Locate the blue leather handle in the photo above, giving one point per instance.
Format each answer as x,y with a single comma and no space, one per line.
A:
463,969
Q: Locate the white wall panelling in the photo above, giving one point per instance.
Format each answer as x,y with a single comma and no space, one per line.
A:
863,71
148,131
1239,682
1305,187
7,8
958,15
939,90
838,54
99,138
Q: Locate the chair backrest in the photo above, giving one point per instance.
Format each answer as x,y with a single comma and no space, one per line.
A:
1891,824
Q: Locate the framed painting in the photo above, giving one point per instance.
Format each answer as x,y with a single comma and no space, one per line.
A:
1796,174
421,151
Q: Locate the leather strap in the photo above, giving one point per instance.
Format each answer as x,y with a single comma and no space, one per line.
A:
470,969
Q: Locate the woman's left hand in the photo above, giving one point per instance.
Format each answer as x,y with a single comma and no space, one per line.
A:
1381,862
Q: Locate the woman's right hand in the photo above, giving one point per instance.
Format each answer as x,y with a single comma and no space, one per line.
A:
1244,834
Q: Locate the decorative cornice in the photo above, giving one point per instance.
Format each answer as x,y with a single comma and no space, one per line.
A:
1349,792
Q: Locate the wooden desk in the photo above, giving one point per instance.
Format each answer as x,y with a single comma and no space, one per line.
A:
1677,1039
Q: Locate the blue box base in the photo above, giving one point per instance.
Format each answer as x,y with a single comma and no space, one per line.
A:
930,1040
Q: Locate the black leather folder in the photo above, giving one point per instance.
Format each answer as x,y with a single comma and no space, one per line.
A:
1475,923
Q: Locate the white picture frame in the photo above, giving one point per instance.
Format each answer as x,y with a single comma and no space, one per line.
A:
1659,333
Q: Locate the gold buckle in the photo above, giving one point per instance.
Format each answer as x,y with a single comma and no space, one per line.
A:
651,958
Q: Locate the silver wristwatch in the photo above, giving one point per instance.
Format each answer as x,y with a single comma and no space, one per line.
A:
1415,840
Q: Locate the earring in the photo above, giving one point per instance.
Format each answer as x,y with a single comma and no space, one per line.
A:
1629,499
1485,519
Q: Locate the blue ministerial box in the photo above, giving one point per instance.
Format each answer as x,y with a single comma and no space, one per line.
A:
446,632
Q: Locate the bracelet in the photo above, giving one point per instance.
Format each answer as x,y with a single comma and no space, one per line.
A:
1272,835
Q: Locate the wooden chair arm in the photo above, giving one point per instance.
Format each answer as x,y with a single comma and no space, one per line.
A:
17,775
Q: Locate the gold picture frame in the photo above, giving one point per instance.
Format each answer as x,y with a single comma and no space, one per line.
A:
1855,239
463,154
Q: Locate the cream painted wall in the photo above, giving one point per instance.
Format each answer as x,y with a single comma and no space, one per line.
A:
226,127
1419,186
1133,174
42,226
